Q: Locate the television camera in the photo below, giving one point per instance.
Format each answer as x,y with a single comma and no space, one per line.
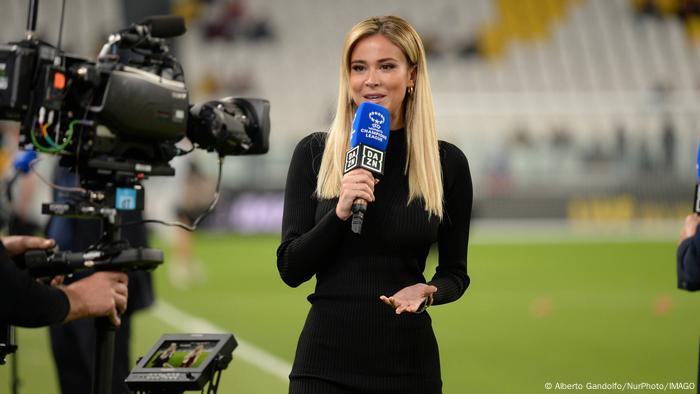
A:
115,121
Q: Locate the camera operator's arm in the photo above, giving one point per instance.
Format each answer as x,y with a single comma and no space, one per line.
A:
688,255
24,302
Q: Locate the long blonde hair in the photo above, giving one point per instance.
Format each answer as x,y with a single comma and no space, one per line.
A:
422,158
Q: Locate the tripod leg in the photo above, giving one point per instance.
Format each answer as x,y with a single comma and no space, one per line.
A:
15,367
8,347
214,382
104,356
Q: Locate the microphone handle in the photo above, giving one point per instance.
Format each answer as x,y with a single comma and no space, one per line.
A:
696,206
359,207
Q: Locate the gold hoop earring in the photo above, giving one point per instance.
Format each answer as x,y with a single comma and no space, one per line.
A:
410,90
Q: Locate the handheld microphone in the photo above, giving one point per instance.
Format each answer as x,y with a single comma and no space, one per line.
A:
696,206
165,26
158,26
368,142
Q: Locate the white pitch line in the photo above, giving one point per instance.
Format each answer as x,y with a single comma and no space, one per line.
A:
245,351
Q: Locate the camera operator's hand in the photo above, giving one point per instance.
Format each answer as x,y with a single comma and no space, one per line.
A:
100,294
690,226
18,244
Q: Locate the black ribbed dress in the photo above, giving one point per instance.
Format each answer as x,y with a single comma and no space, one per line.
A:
352,342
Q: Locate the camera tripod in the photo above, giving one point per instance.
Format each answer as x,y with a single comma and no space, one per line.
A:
113,254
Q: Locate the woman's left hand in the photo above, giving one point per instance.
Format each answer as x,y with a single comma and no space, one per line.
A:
409,299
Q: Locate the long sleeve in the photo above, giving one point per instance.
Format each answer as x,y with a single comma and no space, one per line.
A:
451,277
688,263
305,242
26,303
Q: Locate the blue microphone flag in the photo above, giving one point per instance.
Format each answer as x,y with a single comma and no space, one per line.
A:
23,160
368,139
696,204
370,126
697,164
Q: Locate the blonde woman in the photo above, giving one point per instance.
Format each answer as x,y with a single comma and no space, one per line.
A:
192,357
162,361
367,330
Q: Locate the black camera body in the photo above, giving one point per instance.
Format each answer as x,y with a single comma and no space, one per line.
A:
16,75
126,111
116,122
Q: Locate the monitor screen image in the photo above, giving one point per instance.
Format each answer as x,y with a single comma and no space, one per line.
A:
181,354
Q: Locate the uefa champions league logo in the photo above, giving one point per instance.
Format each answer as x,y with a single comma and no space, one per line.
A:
377,119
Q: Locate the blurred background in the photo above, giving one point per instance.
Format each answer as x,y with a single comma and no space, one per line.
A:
580,121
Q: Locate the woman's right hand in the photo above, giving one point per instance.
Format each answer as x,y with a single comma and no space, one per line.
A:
358,183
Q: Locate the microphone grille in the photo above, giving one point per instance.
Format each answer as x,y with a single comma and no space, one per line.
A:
165,26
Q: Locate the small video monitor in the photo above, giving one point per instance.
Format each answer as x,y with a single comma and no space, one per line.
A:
181,362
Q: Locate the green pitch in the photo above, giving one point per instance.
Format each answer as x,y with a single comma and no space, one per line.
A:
572,313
